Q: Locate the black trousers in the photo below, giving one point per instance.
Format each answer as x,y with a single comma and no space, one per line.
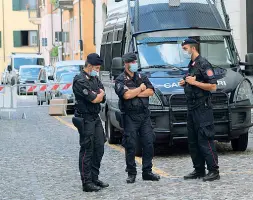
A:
92,140
138,125
200,125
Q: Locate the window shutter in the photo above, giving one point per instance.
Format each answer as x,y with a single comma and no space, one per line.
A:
15,4
17,38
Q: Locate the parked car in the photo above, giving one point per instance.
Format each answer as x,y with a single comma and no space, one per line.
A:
69,66
66,78
28,74
44,96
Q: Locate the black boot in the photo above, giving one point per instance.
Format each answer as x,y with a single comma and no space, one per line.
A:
150,177
131,178
212,175
194,175
90,187
101,184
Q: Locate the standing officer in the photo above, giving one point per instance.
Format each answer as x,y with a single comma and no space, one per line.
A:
89,93
134,90
200,121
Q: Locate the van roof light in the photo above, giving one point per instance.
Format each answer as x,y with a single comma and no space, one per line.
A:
174,3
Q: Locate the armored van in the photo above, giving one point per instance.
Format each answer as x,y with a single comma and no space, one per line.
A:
154,30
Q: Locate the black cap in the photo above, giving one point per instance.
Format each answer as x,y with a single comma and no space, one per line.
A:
189,41
94,59
129,57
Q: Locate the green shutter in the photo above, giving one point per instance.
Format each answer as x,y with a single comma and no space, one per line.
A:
15,4
0,39
17,38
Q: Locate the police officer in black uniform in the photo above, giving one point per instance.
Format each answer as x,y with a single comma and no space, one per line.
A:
89,93
134,90
200,121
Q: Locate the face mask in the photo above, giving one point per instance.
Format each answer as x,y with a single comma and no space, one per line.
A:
94,73
133,67
187,54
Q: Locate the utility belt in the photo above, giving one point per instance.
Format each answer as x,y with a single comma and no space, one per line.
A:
140,110
86,116
194,103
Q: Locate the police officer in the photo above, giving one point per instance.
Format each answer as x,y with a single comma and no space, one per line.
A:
134,90
200,121
89,93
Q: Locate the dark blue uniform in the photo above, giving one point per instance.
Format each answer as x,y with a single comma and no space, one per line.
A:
200,120
136,121
92,137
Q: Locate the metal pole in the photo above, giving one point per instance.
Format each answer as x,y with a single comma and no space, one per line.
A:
62,37
80,30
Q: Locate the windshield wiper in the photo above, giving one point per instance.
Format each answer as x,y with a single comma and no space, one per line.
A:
164,67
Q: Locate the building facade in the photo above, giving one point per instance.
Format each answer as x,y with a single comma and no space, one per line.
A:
79,26
17,34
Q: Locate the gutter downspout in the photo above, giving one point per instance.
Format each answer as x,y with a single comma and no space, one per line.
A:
80,31
3,30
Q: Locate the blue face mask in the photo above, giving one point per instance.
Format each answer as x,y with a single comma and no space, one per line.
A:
133,67
94,73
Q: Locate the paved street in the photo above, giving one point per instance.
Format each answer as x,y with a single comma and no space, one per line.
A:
39,160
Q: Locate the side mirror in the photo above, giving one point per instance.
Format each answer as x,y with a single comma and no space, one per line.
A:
50,78
117,66
9,68
249,64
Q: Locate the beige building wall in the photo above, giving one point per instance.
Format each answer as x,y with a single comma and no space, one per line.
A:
13,21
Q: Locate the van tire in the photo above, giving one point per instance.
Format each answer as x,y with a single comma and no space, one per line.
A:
241,143
110,131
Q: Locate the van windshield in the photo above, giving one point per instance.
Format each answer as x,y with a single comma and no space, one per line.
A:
168,51
27,61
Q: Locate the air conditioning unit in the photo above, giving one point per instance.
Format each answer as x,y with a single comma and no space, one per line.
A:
64,4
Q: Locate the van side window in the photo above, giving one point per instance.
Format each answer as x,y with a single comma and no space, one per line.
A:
108,54
102,50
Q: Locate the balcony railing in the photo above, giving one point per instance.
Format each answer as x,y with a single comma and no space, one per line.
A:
34,16
64,4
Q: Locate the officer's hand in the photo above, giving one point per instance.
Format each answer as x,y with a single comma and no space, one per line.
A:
191,80
182,82
101,91
143,87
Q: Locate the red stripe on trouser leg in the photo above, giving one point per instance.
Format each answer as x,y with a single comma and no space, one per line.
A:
212,154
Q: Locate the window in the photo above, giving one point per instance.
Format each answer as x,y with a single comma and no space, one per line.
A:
25,38
22,4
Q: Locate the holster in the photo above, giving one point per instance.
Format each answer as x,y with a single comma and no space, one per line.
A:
79,124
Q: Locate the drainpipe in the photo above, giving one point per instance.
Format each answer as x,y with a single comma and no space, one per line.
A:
3,30
80,31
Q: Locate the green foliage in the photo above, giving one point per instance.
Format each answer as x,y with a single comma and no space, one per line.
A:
54,52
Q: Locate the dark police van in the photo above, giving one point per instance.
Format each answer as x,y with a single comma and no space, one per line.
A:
154,30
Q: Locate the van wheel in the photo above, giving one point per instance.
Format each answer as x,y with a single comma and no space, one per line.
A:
138,147
241,143
110,131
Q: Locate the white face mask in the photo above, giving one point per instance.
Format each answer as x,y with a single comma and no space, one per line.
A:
187,54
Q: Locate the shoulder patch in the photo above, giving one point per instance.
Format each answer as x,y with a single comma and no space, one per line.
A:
209,72
118,86
85,91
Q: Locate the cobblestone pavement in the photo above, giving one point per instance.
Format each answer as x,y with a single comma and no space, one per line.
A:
39,160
